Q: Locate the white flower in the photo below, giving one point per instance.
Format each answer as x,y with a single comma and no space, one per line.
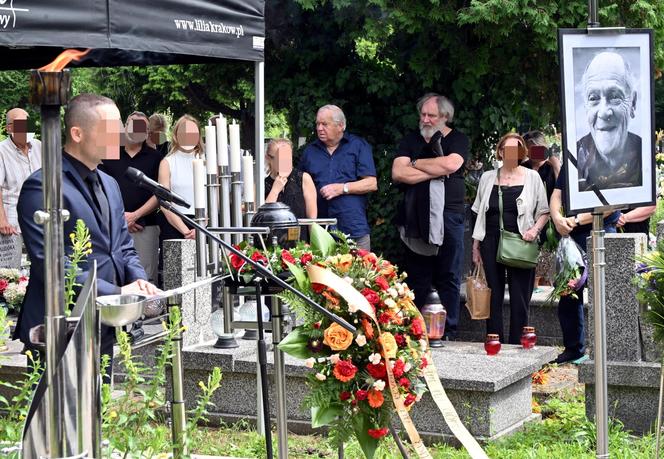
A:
352,308
361,340
423,344
418,397
407,367
309,363
321,377
411,295
374,358
379,385
334,358
390,303
392,292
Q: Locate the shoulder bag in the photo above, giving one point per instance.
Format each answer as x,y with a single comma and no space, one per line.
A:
513,251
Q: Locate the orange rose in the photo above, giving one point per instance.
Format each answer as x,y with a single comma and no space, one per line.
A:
389,345
337,337
387,269
344,262
375,398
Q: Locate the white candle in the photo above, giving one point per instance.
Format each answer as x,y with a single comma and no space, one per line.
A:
248,177
222,140
199,184
234,140
210,150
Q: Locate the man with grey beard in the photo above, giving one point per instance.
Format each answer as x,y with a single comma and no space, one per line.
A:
609,156
428,168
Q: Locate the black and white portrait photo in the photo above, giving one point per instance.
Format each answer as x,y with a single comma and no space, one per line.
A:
608,118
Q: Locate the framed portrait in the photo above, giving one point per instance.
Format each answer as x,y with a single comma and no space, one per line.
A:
608,116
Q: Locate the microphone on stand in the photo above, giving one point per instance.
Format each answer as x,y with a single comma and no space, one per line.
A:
161,192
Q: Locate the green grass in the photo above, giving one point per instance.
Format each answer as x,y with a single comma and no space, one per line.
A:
657,216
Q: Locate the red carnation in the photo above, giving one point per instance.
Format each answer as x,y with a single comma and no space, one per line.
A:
236,262
259,257
377,371
384,318
399,365
400,339
382,283
317,288
424,363
345,395
410,399
317,325
417,328
287,256
362,252
306,258
344,370
361,394
405,383
371,296
378,433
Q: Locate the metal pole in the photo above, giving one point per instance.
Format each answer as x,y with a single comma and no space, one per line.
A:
178,414
227,340
659,409
213,212
53,275
279,378
201,255
262,365
225,191
593,21
259,115
236,209
599,303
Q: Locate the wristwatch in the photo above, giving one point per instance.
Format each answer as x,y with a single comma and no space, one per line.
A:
576,220
346,188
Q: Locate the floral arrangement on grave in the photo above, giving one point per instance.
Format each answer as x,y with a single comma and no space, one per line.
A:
355,380
571,270
12,288
649,281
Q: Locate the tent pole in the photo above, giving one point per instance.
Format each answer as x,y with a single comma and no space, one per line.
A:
259,116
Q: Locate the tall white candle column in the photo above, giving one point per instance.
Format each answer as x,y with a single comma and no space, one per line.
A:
212,190
236,179
224,175
248,188
199,216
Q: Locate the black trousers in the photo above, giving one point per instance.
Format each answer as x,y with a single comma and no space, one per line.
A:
520,285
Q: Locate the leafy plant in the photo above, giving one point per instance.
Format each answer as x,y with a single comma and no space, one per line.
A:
81,247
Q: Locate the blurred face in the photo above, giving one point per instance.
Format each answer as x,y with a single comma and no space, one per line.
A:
17,127
280,159
102,139
329,131
430,119
609,103
508,152
136,129
157,133
188,136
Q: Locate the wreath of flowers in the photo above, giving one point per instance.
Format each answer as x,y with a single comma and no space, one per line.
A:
349,384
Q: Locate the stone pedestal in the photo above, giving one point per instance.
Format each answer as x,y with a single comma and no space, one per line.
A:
491,394
632,371
180,269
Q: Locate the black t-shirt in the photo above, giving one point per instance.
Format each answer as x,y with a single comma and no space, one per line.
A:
415,147
547,174
147,161
510,210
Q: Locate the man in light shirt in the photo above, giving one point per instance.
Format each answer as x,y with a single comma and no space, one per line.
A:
19,157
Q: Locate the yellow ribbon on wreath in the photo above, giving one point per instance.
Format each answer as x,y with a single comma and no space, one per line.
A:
320,275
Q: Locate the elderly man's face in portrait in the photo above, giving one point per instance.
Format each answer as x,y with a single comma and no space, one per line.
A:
610,101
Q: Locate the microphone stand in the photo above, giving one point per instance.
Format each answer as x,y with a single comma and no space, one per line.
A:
260,269
263,274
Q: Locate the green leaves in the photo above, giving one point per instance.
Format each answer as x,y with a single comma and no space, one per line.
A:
321,240
322,416
367,442
295,344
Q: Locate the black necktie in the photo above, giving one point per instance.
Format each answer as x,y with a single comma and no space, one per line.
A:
100,198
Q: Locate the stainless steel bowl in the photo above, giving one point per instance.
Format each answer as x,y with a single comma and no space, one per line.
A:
119,310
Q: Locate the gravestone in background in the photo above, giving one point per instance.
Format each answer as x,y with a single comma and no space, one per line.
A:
10,251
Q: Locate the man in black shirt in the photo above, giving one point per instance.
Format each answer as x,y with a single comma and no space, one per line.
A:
140,206
428,166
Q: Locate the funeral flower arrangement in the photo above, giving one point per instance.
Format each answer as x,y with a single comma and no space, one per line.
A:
350,388
571,270
12,287
649,281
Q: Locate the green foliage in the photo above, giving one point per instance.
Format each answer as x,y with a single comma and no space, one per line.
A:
81,247
649,280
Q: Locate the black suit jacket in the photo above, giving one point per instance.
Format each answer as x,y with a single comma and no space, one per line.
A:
117,261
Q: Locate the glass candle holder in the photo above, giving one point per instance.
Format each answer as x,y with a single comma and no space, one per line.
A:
434,315
492,344
528,337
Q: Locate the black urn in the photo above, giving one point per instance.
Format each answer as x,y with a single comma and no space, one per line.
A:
284,228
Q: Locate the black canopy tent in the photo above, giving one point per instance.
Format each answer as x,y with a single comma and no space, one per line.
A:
120,32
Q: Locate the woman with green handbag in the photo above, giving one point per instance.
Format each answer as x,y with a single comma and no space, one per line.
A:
512,209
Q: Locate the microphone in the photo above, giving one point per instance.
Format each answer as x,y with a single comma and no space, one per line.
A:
161,192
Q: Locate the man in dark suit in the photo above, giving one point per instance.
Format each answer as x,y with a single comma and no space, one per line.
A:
92,125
